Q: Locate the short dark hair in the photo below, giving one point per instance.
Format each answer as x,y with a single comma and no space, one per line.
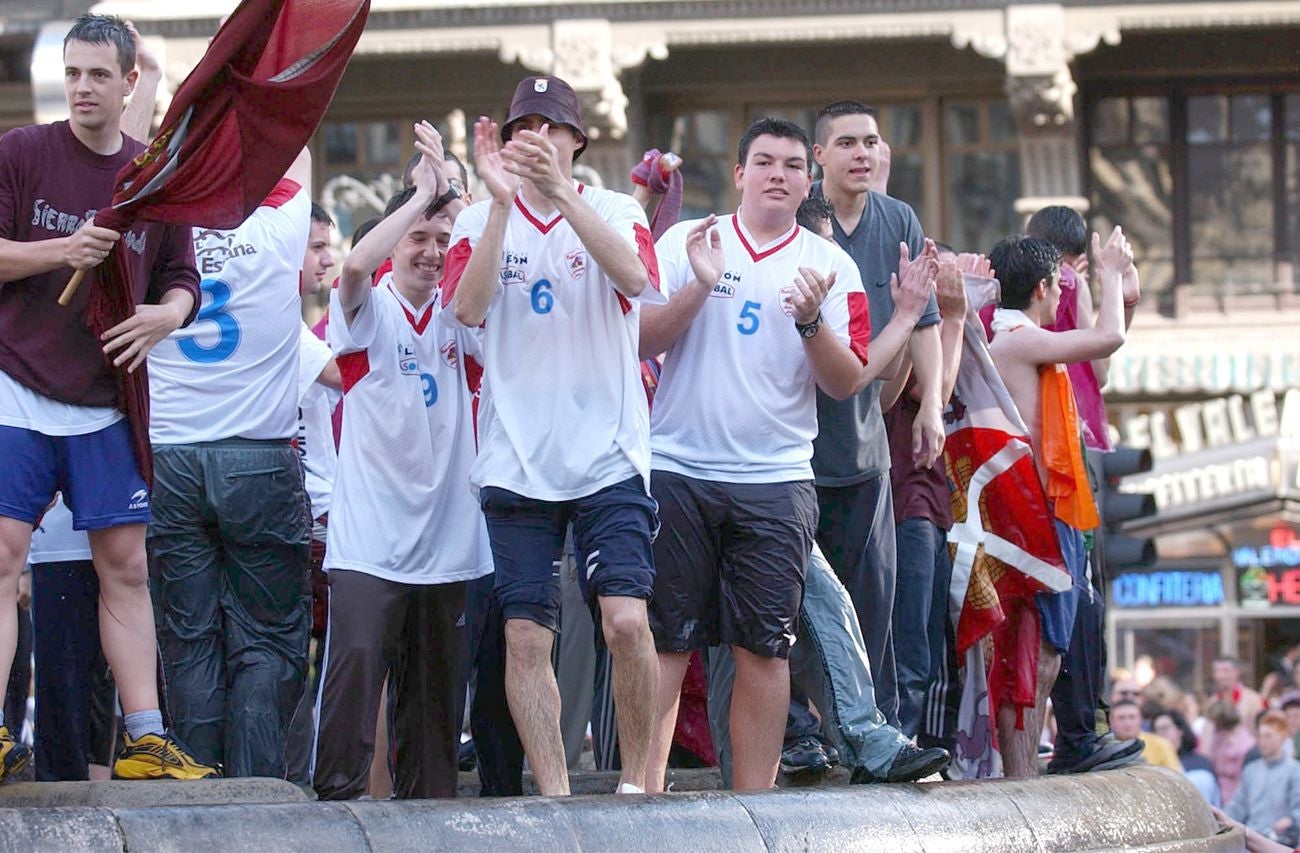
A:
778,127
402,197
813,213
318,214
105,29
1061,226
363,229
1020,263
830,112
1126,703
1187,737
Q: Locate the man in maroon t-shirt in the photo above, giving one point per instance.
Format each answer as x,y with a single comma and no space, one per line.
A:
61,428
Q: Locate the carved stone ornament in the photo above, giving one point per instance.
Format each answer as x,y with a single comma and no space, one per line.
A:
1043,101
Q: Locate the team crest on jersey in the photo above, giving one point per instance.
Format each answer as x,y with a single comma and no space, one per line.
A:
577,262
787,293
213,248
449,356
407,363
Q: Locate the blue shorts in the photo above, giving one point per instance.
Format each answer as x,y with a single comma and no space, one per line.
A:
1057,610
612,534
96,472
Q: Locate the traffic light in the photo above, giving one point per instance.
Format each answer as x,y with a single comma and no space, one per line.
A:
1116,549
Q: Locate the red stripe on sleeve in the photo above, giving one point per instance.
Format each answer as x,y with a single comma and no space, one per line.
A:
859,325
384,269
453,267
283,191
645,250
353,366
474,381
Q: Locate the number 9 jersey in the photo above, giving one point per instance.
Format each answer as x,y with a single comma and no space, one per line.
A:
233,372
563,413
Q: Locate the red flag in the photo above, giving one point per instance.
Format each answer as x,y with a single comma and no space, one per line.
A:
234,127
1003,540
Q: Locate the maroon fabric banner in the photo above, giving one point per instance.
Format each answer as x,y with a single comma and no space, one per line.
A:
234,127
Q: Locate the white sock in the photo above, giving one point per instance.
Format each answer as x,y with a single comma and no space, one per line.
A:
629,788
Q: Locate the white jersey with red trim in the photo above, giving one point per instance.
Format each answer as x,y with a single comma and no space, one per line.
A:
737,401
315,440
563,412
233,373
402,508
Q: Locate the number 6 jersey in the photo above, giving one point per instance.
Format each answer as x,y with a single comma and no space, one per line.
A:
563,412
233,372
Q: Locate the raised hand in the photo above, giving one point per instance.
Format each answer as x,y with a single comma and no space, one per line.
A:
950,291
488,162
428,174
704,251
144,57
1115,256
531,155
810,290
974,264
1132,285
914,283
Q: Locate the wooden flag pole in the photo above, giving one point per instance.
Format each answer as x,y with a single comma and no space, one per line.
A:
68,292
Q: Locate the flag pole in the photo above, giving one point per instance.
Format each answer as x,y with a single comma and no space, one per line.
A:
73,283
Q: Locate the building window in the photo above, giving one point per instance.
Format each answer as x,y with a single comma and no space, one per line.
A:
359,167
1132,181
1206,184
981,174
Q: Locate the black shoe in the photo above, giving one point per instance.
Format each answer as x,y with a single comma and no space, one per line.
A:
805,755
466,755
832,754
1109,754
911,764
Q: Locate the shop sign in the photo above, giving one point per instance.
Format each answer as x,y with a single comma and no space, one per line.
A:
1270,574
1214,423
1167,589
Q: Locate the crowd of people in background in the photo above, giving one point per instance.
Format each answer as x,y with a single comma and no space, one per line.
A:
709,455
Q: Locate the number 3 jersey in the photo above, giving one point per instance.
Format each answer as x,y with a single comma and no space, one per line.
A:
737,401
233,372
402,507
563,411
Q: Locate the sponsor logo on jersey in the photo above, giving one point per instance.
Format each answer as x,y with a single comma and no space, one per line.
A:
139,500
407,363
513,268
787,293
449,356
512,275
577,261
722,290
212,249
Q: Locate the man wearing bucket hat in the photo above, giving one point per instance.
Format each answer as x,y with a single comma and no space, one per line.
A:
554,272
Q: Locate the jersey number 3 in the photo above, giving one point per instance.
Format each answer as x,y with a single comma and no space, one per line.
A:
228,334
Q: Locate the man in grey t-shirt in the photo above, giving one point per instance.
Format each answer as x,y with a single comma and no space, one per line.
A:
851,453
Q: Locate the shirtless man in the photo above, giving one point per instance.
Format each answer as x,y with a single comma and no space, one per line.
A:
1031,359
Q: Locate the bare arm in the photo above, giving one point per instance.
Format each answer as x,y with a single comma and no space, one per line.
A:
892,390
300,170
81,250
951,293
662,325
129,342
835,367
330,376
137,118
532,156
479,282
376,246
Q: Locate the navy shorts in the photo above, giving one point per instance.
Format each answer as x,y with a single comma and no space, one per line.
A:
1057,610
612,534
97,473
730,563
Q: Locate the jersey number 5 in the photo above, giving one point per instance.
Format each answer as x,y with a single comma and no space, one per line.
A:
748,324
228,334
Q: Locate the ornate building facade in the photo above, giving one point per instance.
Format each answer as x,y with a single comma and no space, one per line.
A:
1178,120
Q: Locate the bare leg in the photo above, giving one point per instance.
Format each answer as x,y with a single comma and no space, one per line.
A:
534,699
672,669
380,786
636,680
759,703
126,626
1020,747
15,537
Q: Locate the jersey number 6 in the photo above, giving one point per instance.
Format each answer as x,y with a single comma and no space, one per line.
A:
541,297
748,324
228,334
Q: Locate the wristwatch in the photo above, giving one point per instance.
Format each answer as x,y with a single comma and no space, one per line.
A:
809,330
443,200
